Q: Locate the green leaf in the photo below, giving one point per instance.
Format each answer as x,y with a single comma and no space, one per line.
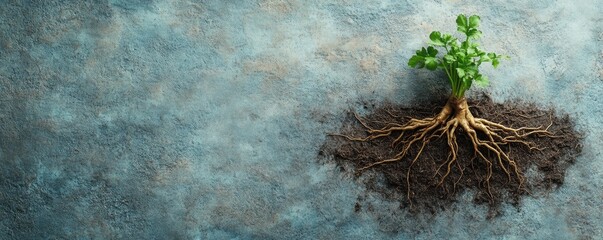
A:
454,43
422,52
471,51
495,62
462,29
460,55
415,61
431,51
436,39
466,83
447,38
474,21
435,36
465,44
478,51
471,71
460,72
482,81
461,21
449,58
431,63
474,33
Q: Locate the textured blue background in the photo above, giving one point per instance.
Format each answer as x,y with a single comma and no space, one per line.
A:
142,119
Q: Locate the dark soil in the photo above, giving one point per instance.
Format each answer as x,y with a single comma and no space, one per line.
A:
543,170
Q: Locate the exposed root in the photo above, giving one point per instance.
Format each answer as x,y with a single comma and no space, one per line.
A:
488,139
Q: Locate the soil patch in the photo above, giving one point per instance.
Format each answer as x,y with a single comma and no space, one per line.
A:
543,170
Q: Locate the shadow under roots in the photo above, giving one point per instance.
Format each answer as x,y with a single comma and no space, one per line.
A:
542,170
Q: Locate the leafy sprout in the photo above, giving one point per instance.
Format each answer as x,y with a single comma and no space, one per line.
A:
462,59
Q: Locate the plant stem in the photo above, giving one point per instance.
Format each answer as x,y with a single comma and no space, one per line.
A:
449,77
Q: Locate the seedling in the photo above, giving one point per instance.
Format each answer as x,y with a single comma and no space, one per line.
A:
461,62
462,59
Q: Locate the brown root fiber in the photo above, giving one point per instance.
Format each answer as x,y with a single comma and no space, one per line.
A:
431,158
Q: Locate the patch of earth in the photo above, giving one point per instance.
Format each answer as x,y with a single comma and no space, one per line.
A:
543,170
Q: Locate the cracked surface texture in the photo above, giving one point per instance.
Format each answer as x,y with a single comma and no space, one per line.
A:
143,119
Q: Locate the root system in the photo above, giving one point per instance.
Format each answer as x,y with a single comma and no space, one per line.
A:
445,148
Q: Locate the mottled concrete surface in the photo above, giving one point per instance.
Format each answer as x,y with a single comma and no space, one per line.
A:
148,119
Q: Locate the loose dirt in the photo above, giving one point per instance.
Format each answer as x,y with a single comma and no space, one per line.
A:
543,170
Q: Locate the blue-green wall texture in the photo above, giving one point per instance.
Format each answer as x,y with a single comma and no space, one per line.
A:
152,119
